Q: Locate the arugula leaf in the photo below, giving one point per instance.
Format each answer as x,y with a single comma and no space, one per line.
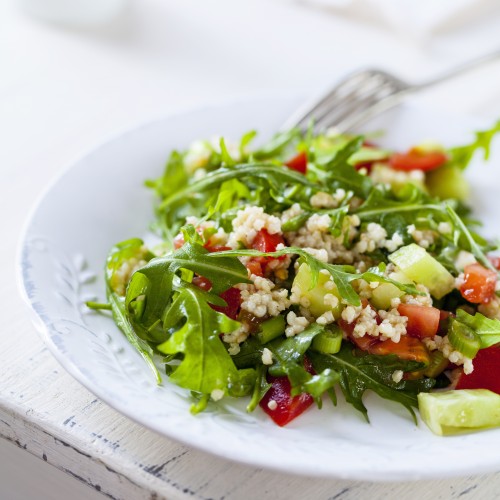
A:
292,349
245,140
289,354
140,345
277,144
228,197
174,176
488,329
206,364
335,171
461,156
381,204
275,176
224,153
119,255
261,386
315,385
360,371
153,284
461,232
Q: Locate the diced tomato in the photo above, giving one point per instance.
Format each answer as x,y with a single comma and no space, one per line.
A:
418,160
363,343
486,374
298,162
422,321
233,298
408,348
288,407
202,282
479,284
254,266
265,242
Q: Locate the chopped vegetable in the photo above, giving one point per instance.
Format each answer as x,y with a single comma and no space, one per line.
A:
456,412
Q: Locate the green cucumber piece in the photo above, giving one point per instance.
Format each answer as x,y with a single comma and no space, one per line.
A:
447,182
459,411
382,295
418,265
271,329
316,295
463,338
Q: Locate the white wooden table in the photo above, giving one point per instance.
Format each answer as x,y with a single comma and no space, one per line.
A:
63,91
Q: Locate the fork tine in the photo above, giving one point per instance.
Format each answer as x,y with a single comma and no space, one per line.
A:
357,105
366,92
352,122
309,110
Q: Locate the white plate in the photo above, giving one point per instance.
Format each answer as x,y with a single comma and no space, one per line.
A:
101,200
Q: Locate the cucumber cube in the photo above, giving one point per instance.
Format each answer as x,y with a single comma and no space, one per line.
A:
459,411
447,182
418,265
316,295
385,292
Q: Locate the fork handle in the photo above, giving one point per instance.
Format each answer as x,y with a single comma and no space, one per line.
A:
459,70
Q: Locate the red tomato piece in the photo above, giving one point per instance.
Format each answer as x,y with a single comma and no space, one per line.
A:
254,266
363,343
486,374
298,162
408,348
233,298
422,321
202,282
265,242
479,284
417,160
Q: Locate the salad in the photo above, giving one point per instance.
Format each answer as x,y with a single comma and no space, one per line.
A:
314,266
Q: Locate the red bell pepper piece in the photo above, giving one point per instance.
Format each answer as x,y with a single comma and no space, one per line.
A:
486,374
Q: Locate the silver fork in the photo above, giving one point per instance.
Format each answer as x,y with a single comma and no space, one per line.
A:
364,94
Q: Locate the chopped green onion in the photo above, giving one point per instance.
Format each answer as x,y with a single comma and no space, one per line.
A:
271,329
463,338
437,364
328,342
295,223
